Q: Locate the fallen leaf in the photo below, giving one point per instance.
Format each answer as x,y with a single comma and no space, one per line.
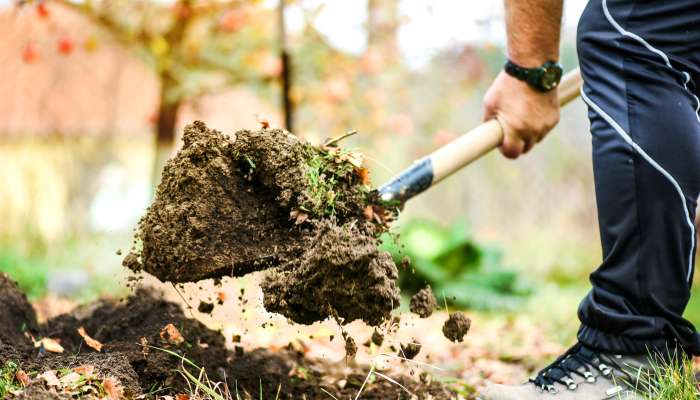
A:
264,122
50,378
298,216
368,212
182,397
86,370
49,344
363,173
144,346
170,334
22,378
113,388
70,379
89,341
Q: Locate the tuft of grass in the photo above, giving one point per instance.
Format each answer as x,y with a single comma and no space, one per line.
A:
323,176
8,381
672,379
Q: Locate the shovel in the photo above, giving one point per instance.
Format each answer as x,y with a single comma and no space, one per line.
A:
443,162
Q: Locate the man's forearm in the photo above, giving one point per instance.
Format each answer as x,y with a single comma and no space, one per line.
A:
534,27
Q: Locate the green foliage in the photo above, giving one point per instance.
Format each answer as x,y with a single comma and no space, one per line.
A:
30,273
457,268
323,174
8,382
672,379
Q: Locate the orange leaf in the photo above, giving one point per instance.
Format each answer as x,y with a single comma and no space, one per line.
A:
90,341
86,370
113,388
22,378
363,173
49,344
170,334
182,397
264,122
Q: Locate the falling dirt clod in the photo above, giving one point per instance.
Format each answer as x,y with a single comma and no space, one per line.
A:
264,200
456,326
423,303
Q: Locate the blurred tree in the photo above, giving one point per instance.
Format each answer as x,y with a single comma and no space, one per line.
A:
194,46
382,27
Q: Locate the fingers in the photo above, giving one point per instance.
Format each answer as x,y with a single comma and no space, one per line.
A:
513,146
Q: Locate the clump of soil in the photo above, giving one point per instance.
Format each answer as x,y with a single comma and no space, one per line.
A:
127,330
377,338
456,326
205,308
410,350
350,347
423,303
18,316
259,200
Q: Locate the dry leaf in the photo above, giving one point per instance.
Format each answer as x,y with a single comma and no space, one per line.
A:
264,122
170,334
90,341
144,346
113,388
368,212
363,173
182,397
86,370
298,216
49,344
50,378
22,378
71,378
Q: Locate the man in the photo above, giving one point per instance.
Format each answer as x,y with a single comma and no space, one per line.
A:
640,60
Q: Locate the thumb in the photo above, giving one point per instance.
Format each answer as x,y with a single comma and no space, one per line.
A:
512,146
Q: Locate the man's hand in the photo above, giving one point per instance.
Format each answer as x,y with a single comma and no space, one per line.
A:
525,114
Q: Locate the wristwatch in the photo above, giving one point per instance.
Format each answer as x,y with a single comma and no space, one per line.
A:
543,79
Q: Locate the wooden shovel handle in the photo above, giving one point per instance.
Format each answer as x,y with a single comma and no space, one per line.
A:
461,152
474,144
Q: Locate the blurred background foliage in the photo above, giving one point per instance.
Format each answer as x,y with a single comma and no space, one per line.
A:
460,271
96,92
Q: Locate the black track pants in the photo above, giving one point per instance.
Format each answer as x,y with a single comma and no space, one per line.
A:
640,61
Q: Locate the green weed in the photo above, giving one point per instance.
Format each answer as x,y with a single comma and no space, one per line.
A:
8,381
323,176
672,379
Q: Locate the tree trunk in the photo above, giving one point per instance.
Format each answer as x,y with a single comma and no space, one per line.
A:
382,27
165,129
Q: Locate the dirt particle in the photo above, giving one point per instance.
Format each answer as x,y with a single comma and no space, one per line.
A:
205,308
377,338
423,303
410,350
350,347
131,261
456,326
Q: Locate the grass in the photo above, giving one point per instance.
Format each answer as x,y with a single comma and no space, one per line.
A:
672,379
323,176
8,381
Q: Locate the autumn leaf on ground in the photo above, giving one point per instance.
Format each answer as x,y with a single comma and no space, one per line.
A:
298,216
86,370
90,341
171,335
50,378
49,344
22,378
113,388
182,396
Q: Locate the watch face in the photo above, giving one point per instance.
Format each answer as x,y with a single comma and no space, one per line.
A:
551,76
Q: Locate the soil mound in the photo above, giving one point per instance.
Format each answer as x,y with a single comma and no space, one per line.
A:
259,200
17,315
125,328
423,303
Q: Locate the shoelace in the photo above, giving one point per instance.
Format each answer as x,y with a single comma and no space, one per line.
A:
578,360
